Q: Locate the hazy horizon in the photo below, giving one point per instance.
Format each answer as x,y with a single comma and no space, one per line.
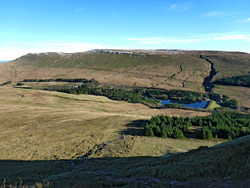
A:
4,61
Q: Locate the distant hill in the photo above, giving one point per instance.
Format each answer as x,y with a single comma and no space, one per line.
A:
169,69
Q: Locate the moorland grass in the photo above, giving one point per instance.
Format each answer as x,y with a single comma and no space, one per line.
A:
52,125
45,134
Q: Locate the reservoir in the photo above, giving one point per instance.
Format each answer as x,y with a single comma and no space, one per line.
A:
202,104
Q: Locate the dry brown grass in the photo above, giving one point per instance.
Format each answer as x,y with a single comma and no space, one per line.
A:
152,70
40,129
149,71
52,125
241,94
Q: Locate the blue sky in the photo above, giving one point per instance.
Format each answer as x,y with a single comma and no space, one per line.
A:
79,25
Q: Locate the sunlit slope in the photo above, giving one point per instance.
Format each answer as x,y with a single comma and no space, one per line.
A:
38,128
50,125
6,72
229,64
156,68
181,71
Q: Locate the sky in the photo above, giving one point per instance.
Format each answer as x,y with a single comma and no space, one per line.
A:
34,26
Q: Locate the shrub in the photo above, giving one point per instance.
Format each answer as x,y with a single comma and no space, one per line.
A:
20,84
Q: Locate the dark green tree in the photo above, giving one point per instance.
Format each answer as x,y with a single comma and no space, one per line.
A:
164,133
178,134
209,134
157,131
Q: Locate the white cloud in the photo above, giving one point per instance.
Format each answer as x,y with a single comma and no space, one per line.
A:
163,40
218,14
194,39
15,52
211,14
173,6
180,7
71,46
247,20
232,37
11,54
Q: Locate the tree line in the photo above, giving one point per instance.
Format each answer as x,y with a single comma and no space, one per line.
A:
112,93
180,96
149,96
6,83
140,95
228,125
56,80
243,80
223,100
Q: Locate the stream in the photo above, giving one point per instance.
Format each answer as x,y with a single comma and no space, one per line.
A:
208,84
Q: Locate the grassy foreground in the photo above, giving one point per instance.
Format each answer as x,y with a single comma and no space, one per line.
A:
42,133
52,125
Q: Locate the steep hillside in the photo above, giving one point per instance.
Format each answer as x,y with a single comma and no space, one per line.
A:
169,69
230,64
148,70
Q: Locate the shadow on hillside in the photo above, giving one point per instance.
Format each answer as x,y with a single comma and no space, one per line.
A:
99,172
124,172
135,128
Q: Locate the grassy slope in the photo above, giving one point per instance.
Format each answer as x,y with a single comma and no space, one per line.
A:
231,64
150,69
48,129
241,94
68,125
120,69
212,105
55,127
217,165
51,127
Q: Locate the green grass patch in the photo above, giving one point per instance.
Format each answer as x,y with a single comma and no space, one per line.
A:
212,105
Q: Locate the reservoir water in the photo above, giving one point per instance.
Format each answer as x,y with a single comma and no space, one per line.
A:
202,104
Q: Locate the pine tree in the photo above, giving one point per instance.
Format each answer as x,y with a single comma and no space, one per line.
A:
169,130
163,125
248,124
210,124
158,120
157,131
200,123
147,130
178,134
151,132
209,134
164,133
204,133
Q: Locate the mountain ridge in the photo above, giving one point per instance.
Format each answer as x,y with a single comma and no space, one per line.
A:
159,68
